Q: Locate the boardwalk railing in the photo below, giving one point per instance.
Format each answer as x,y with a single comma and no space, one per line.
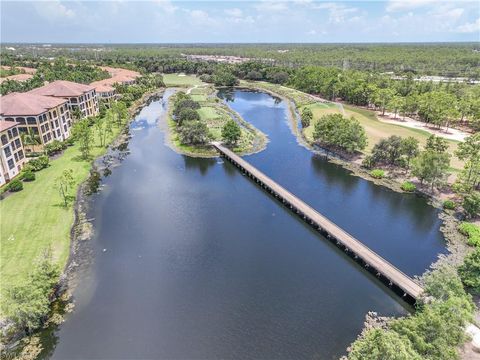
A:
374,263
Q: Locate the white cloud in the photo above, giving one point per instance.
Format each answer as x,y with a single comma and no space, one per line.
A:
312,32
269,6
403,5
469,27
338,13
53,10
236,12
167,6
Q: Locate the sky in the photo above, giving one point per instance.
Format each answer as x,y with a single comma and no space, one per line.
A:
240,21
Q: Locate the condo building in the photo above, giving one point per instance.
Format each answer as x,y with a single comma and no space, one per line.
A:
44,117
78,96
104,91
12,154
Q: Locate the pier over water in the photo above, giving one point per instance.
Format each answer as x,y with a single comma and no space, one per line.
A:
373,262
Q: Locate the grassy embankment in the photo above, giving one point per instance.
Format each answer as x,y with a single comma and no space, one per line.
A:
374,128
214,114
35,219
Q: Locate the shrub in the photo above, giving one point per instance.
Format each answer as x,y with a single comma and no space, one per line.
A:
28,175
380,344
449,205
470,271
54,147
377,173
472,231
368,162
408,186
70,141
471,204
15,185
39,163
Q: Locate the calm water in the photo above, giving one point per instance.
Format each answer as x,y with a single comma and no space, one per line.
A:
194,261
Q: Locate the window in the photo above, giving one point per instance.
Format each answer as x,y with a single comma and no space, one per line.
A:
14,132
30,121
73,100
44,117
15,156
49,136
4,140
58,133
56,123
65,128
62,110
21,120
7,151
54,113
45,138
20,154
13,146
22,130
11,164
18,143
42,128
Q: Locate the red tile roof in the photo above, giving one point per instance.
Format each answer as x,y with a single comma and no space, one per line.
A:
62,88
5,125
27,70
102,87
24,104
18,77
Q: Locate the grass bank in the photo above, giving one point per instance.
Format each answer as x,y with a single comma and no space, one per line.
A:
35,219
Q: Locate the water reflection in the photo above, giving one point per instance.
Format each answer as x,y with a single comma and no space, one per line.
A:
203,165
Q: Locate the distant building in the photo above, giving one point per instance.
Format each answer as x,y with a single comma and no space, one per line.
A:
12,156
44,116
79,96
18,77
104,91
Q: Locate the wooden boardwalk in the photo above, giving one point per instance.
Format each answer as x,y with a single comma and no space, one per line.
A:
377,265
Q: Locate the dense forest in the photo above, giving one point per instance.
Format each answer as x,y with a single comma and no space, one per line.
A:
444,59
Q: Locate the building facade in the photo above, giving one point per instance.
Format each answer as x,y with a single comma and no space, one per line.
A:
12,153
104,91
43,118
79,96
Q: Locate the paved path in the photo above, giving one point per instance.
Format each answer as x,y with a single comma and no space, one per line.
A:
369,257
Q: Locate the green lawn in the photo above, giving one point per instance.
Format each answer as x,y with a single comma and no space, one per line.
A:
208,112
374,128
199,97
180,80
34,218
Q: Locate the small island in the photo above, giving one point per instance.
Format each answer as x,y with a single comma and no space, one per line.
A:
197,116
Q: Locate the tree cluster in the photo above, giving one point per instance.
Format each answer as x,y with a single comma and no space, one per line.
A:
191,129
336,132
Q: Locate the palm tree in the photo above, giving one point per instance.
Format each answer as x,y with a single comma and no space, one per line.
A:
30,139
